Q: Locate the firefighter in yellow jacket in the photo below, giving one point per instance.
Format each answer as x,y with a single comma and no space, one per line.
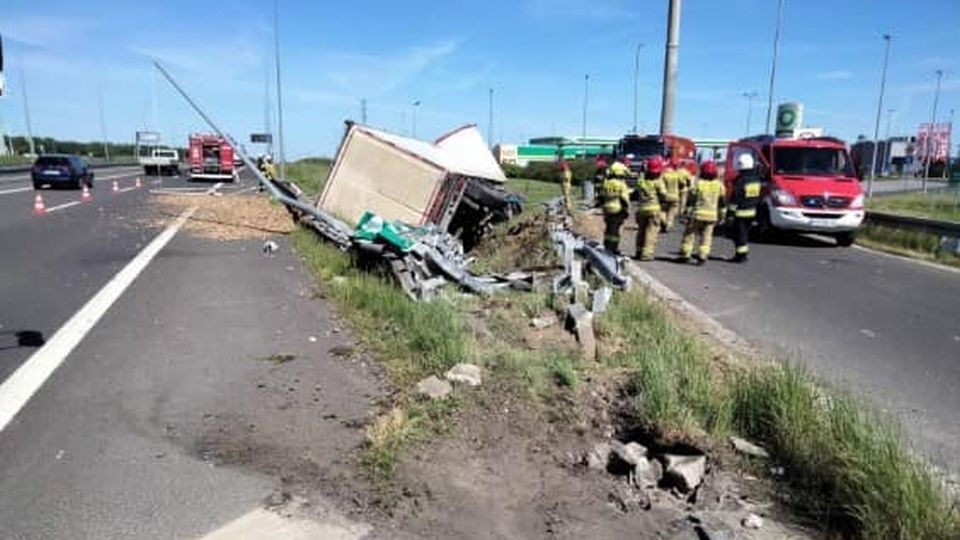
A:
566,185
615,197
650,193
706,202
676,180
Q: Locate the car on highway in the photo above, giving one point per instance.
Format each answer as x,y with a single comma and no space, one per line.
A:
61,170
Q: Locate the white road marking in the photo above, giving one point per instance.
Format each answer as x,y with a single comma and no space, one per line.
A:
17,190
261,523
64,205
215,187
126,189
17,390
903,258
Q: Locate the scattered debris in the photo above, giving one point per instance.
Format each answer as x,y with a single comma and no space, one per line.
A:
580,322
648,473
342,351
270,247
598,457
746,447
279,358
685,471
630,453
468,374
544,322
279,497
434,388
226,218
752,521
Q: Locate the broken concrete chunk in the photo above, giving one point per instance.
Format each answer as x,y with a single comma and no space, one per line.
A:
630,453
580,322
648,473
746,447
434,388
543,322
465,373
752,521
598,457
685,471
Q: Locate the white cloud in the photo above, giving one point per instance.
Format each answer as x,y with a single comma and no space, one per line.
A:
834,75
592,10
46,30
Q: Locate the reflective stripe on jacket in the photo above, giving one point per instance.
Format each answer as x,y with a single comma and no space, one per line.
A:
745,196
651,192
616,196
707,199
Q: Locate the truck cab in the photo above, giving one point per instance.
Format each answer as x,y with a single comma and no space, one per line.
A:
634,150
809,185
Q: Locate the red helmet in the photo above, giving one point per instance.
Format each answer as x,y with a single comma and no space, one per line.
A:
655,166
564,165
708,170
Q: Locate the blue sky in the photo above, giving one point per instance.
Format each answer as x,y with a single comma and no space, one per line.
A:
534,53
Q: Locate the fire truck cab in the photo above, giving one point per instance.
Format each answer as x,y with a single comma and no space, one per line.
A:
809,185
634,150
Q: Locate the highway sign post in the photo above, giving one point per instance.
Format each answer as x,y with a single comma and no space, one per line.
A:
262,138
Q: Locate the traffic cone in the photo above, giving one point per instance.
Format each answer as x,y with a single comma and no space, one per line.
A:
86,196
138,184
38,207
116,187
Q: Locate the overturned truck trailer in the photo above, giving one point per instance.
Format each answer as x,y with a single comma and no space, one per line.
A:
454,182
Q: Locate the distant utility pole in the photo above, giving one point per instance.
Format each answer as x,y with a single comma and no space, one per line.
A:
887,153
636,84
583,126
490,118
103,124
276,52
363,111
876,125
26,110
773,63
267,120
416,104
750,96
670,68
933,124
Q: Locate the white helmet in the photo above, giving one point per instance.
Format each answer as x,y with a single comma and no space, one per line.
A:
745,162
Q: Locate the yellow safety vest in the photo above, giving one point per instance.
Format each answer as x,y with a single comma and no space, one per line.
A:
616,196
566,177
650,191
707,199
673,183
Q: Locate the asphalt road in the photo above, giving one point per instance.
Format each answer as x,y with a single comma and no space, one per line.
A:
886,327
169,420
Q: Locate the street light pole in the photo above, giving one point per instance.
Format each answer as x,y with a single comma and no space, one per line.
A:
773,63
933,124
876,125
670,68
636,85
583,127
749,96
276,51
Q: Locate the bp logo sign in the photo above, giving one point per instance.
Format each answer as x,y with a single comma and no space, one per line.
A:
789,119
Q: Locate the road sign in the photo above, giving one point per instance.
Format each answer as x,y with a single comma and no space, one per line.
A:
148,137
261,138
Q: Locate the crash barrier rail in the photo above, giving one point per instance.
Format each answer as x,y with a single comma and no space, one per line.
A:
930,226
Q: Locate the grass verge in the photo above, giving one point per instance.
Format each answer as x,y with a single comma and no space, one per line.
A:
918,245
941,205
847,466
535,192
309,173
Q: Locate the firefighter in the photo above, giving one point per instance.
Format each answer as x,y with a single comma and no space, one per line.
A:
706,204
615,196
566,184
267,167
686,186
650,193
742,208
601,173
674,178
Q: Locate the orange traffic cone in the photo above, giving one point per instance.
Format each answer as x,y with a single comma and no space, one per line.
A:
138,185
38,207
116,187
86,196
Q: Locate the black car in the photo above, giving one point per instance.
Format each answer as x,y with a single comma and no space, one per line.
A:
58,170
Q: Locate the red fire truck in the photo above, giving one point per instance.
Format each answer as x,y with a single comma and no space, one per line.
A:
809,185
636,149
211,158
